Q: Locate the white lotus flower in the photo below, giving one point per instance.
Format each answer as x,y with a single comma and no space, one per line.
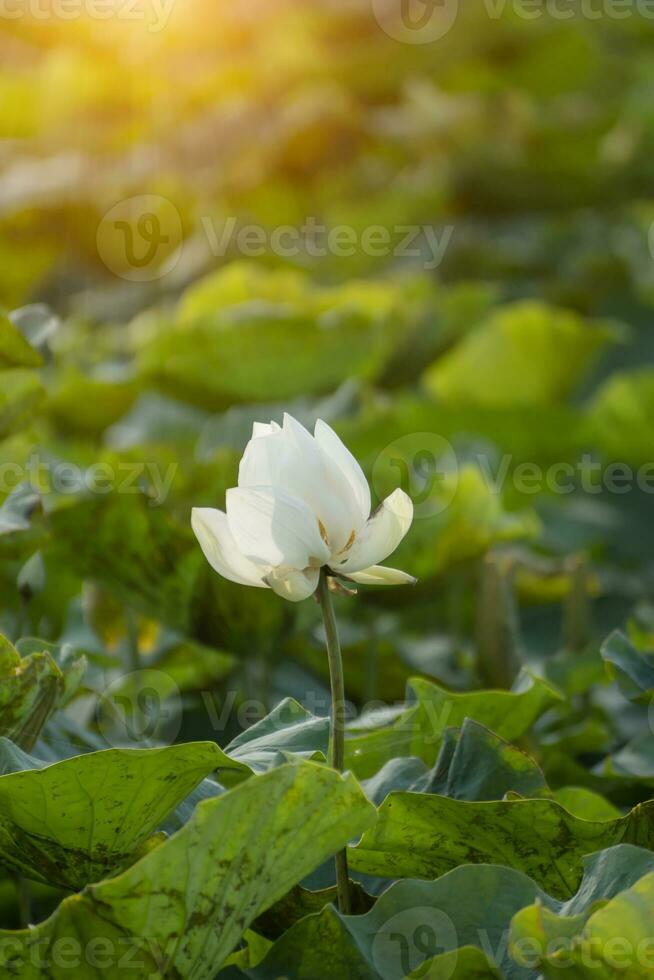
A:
302,503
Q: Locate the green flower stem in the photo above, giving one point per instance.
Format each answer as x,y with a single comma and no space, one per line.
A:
337,732
23,899
132,635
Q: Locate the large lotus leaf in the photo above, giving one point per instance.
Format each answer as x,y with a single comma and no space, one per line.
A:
481,766
634,669
403,773
246,285
610,914
300,902
289,728
322,947
80,819
288,731
409,924
614,941
457,923
621,416
465,963
416,728
242,282
421,836
256,349
473,764
585,803
527,353
182,908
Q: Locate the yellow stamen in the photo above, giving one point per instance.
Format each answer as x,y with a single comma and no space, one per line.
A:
349,543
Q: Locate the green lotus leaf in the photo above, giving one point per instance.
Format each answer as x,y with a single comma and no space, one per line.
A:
181,909
416,728
80,819
420,836
526,353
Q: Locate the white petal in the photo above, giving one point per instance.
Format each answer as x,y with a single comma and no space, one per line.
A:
292,584
381,575
341,457
290,460
264,429
264,456
381,535
323,486
220,550
272,527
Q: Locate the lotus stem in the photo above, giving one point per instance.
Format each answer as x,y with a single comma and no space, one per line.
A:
338,719
23,899
577,629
